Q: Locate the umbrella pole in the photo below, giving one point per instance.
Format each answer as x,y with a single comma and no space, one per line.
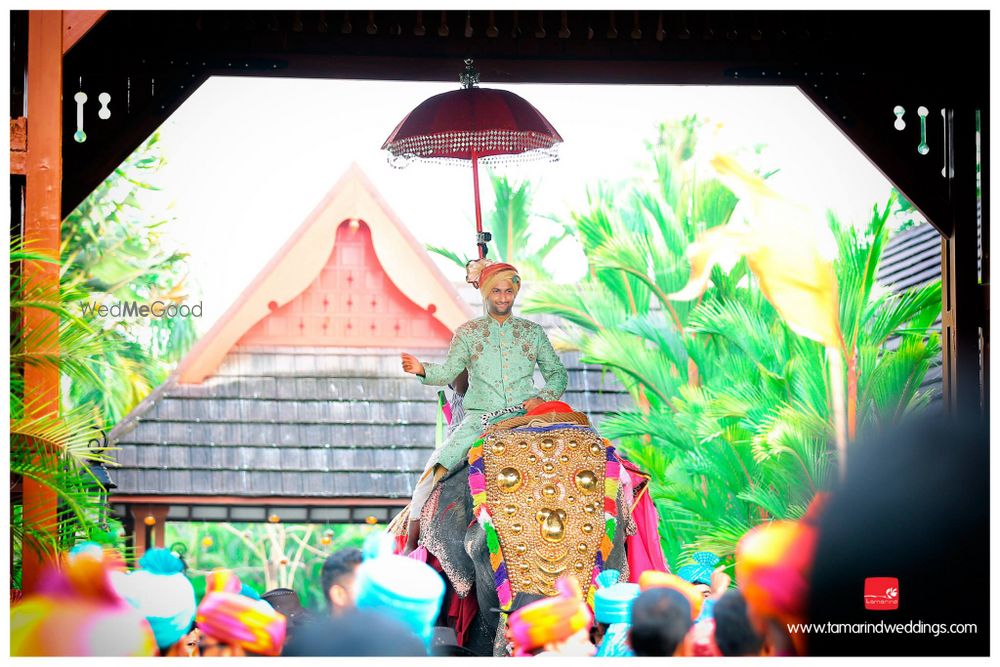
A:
479,215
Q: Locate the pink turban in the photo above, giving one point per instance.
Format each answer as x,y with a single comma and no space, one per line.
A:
237,619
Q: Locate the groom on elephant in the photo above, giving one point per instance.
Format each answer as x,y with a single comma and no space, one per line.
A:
500,352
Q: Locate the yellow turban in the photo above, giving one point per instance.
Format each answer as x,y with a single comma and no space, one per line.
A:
553,619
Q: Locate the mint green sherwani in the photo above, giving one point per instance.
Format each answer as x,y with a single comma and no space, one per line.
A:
501,361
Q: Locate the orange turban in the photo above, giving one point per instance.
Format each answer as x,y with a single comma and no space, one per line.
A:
656,579
773,561
485,274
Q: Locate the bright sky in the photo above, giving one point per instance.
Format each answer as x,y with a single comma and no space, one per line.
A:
249,158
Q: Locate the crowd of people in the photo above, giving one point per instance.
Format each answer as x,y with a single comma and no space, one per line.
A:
94,606
899,512
101,608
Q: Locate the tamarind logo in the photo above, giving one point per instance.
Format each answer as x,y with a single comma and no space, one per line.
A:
881,593
124,309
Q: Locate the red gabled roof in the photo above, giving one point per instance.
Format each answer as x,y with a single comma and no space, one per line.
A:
319,287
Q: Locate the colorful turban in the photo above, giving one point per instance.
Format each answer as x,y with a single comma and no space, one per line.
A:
78,613
700,571
773,562
613,600
403,588
551,620
161,593
656,579
221,580
236,619
485,273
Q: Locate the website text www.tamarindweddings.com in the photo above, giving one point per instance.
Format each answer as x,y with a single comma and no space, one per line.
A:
883,628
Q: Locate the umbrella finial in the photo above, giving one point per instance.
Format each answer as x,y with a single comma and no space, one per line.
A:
470,77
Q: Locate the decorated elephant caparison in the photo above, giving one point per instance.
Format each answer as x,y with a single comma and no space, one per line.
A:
541,496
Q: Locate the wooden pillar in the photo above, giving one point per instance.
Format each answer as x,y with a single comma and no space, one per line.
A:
964,308
156,534
42,218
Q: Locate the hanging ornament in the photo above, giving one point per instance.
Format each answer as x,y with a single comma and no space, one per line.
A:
207,542
150,520
922,147
899,123
80,136
104,112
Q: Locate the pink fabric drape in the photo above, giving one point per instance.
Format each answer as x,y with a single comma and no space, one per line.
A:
644,549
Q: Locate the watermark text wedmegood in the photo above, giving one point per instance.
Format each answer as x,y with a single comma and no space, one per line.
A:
123,309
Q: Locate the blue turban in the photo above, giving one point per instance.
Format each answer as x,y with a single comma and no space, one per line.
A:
700,571
613,601
162,594
403,588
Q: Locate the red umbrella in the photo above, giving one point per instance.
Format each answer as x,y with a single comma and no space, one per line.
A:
477,124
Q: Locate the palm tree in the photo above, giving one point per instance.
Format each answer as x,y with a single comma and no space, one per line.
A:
47,445
510,225
733,415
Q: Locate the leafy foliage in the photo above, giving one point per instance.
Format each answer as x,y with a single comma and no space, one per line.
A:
510,225
111,251
50,447
114,250
733,417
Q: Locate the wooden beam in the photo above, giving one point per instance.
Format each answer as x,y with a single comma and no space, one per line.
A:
18,145
964,311
19,134
257,500
18,162
42,219
76,24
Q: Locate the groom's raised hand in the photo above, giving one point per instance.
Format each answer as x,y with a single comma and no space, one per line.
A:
411,364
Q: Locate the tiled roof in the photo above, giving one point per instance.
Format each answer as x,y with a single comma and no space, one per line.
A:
302,422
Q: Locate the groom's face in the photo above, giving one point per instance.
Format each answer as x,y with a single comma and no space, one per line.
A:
500,299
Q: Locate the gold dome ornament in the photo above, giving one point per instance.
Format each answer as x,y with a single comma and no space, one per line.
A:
586,481
553,524
509,480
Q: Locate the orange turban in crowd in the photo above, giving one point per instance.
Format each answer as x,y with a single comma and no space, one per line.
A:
485,274
551,620
656,579
773,563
